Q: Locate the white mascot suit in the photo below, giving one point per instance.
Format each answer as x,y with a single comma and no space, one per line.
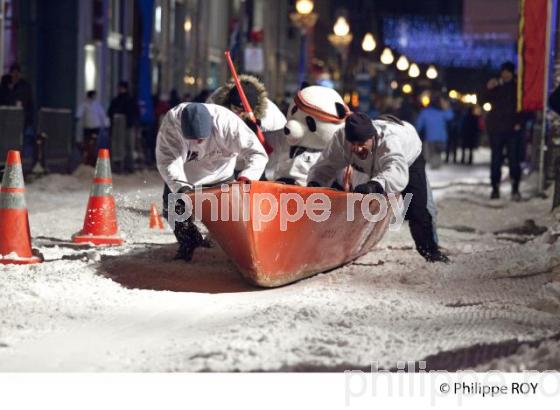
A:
313,117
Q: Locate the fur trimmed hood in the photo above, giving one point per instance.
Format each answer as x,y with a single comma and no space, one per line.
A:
220,96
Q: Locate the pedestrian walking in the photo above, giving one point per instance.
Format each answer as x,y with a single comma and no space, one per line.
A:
7,97
23,94
470,134
124,103
94,124
504,130
432,125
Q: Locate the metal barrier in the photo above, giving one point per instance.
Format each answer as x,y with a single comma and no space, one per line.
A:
55,130
118,140
11,130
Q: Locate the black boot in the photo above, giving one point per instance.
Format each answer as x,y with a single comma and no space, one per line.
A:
433,255
206,243
185,252
495,193
436,256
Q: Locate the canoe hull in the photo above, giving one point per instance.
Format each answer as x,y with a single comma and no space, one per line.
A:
272,251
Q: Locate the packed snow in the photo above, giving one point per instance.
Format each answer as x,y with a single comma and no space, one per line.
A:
133,308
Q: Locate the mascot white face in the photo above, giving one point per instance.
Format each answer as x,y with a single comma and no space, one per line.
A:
314,116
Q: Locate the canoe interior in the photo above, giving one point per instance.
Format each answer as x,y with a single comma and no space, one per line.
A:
268,256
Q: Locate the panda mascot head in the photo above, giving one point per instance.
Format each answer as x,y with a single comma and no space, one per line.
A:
314,116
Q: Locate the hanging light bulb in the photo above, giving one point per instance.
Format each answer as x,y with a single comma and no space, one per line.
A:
407,88
431,72
402,63
413,71
304,6
341,27
368,43
474,99
387,56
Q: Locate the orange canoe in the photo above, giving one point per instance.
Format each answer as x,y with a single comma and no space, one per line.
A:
271,251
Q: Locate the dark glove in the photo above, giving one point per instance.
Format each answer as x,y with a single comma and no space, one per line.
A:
185,189
243,180
370,187
313,184
253,125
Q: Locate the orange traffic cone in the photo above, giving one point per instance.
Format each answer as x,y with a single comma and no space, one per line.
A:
156,222
15,237
100,223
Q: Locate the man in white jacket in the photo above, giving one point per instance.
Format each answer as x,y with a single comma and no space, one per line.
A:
386,157
198,145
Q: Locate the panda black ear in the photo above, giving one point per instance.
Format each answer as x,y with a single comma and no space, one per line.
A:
340,110
303,85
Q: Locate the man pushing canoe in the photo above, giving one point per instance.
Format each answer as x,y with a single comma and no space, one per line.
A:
198,145
382,156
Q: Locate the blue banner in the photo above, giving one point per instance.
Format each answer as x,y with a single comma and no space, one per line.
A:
146,8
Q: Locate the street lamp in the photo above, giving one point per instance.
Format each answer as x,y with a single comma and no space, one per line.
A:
387,56
368,43
341,39
402,63
188,24
304,6
413,71
431,72
304,18
341,27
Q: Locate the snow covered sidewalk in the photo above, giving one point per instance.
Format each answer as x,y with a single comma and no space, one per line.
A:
497,305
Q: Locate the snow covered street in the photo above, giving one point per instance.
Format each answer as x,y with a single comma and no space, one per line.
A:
132,308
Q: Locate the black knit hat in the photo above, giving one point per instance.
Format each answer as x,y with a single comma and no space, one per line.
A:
196,121
508,66
359,128
251,93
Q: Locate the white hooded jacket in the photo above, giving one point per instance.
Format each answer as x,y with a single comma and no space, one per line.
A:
396,148
181,160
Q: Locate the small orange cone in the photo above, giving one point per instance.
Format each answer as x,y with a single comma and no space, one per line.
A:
156,222
100,223
15,237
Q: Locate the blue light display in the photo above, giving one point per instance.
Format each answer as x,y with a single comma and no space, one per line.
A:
441,41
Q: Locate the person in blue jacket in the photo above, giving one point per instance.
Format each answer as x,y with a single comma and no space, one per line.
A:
431,124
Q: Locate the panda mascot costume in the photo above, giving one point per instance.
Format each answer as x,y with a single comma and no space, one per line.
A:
269,117
313,117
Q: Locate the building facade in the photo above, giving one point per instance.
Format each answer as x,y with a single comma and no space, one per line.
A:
68,47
